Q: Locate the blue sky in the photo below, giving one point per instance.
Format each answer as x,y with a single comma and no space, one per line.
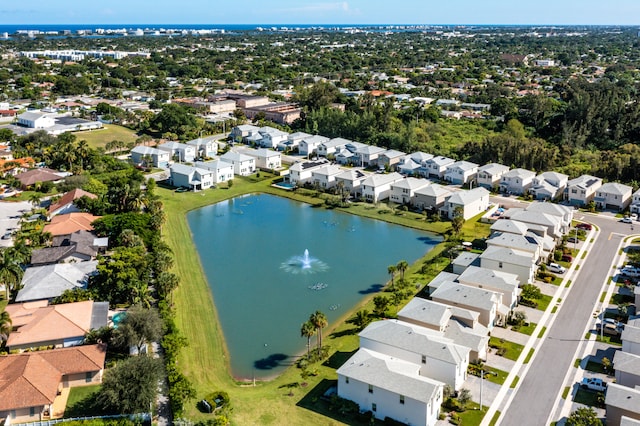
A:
594,12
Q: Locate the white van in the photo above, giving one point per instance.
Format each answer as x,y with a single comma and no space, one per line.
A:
554,267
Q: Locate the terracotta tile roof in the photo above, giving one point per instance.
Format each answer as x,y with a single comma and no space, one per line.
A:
16,162
70,197
70,223
36,324
32,379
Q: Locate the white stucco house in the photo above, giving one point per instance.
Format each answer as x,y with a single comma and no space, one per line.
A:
552,223
549,186
520,263
179,151
472,203
221,170
499,281
325,176
490,175
390,159
460,172
402,192
351,180
377,187
331,147
582,190
613,195
368,155
516,181
194,178
431,197
145,155
390,387
309,145
437,166
408,167
242,132
439,358
302,171
486,302
271,137
206,147
266,159
292,142
563,212
243,165
527,242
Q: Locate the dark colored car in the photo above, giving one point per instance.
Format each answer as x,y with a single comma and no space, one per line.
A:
573,240
585,226
567,258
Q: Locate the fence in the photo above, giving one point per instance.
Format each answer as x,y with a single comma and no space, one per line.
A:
144,417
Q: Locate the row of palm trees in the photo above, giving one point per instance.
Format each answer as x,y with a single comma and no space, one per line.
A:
392,269
317,321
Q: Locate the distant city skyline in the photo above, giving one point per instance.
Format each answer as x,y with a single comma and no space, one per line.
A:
283,12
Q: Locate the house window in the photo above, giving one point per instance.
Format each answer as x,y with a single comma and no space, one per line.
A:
402,399
32,411
87,377
346,380
500,265
424,359
374,407
370,388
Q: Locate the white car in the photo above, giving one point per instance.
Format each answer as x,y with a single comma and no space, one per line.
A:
554,267
627,219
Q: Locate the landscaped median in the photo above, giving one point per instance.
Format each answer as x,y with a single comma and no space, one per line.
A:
205,360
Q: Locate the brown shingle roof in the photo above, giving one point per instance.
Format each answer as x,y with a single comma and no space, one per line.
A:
70,197
70,223
32,379
37,175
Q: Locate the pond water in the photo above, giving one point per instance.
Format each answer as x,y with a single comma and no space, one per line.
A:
271,262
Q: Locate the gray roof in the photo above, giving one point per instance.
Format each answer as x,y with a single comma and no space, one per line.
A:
584,181
627,421
81,242
147,150
173,145
391,374
537,218
421,156
615,188
515,241
264,153
476,338
521,173
510,226
465,295
416,339
99,315
441,161
298,135
508,255
183,169
434,190
630,334
465,197
392,153
465,259
235,156
503,281
32,115
49,281
463,165
442,277
351,174
315,139
411,183
493,168
549,208
328,170
623,397
376,180
627,362
214,165
426,312
370,149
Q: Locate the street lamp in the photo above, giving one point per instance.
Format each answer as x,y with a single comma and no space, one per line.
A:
482,373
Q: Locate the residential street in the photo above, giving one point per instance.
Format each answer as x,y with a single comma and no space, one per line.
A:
539,390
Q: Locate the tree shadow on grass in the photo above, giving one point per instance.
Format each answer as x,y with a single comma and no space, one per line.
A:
338,358
342,333
374,288
87,406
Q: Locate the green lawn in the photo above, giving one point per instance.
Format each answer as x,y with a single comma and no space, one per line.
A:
110,132
543,302
511,350
588,397
80,401
205,360
525,329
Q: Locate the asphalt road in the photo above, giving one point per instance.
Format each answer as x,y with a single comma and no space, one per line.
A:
536,396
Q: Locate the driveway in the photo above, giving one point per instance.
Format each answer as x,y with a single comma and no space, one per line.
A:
10,213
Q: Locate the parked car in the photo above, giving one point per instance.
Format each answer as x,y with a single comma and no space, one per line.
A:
585,226
554,267
630,271
594,384
627,219
573,240
567,258
6,236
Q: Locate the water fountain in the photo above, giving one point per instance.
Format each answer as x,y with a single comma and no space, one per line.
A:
304,264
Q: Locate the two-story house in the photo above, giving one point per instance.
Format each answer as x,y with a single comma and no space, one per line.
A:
460,172
582,190
490,175
614,196
516,181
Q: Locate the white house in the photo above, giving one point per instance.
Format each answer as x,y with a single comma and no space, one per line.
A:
402,191
490,175
181,151
309,145
520,263
368,155
621,401
486,302
221,170
302,171
631,337
528,243
243,165
472,202
563,212
509,226
351,180
331,147
502,282
549,185
145,155
377,187
613,195
582,190
325,176
437,166
346,157
439,358
409,167
292,142
206,147
627,367
460,172
272,137
517,181
635,202
421,158
553,223
242,132
431,197
190,177
266,159
390,387
390,159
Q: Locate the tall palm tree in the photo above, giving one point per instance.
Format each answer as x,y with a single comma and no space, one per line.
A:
35,200
10,271
391,269
308,330
5,326
402,266
319,320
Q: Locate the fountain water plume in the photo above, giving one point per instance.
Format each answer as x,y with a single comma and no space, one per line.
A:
304,264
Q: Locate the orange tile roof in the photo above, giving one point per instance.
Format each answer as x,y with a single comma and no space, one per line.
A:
69,223
23,162
36,323
32,379
70,197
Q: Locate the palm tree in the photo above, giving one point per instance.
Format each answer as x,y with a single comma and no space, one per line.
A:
10,271
6,326
319,321
307,330
391,269
402,266
34,199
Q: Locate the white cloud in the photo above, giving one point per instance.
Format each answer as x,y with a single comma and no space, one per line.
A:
321,8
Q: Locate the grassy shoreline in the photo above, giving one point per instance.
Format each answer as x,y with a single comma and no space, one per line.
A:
206,360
